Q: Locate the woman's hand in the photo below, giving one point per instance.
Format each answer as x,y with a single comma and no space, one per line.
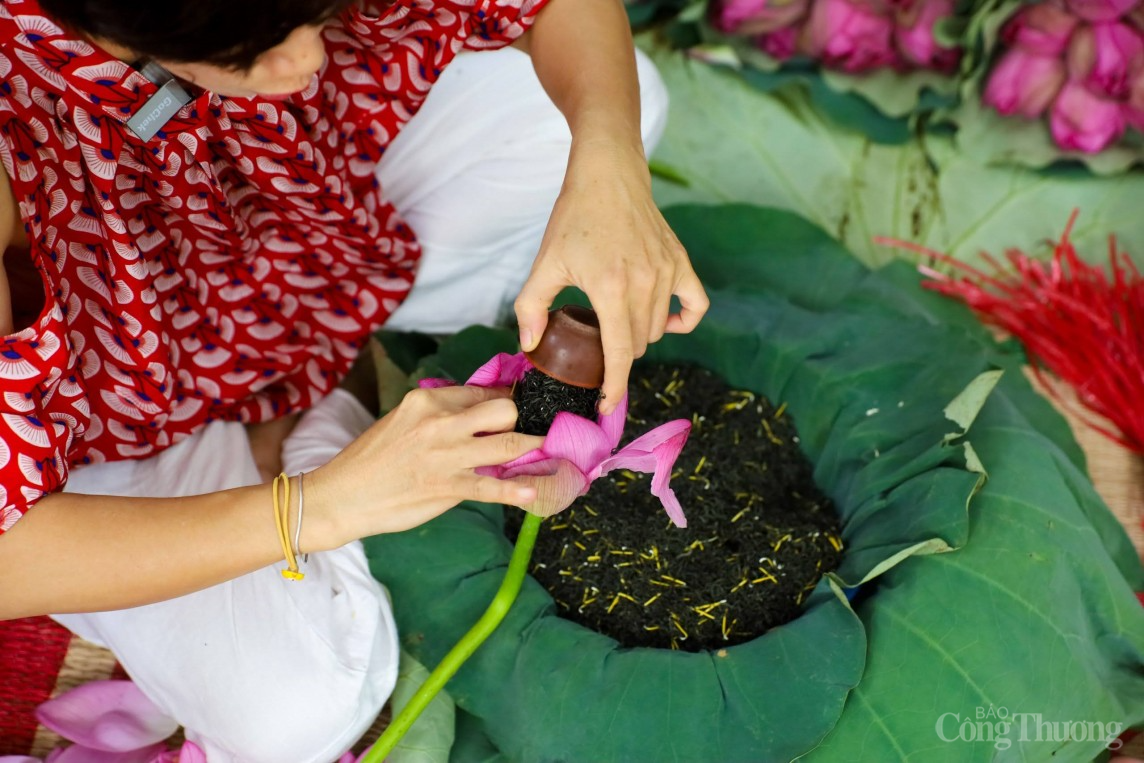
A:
607,237
416,463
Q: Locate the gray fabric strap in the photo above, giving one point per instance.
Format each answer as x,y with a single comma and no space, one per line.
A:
159,108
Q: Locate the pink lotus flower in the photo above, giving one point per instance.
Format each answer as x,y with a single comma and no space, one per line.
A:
1081,120
849,34
1024,83
1117,52
109,722
752,17
577,451
1042,28
1101,10
914,34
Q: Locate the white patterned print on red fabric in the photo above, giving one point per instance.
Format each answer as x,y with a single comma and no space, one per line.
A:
230,267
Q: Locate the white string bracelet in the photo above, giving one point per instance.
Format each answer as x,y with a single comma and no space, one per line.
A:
298,529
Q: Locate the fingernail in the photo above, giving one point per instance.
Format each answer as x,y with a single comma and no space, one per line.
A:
526,339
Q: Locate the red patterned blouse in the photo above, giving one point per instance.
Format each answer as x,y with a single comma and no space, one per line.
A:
230,267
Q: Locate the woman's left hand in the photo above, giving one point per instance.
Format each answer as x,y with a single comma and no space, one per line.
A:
607,237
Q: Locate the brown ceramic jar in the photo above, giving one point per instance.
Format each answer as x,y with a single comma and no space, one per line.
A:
571,350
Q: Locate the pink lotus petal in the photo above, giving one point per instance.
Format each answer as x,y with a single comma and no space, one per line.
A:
576,451
532,467
563,484
1081,120
578,440
654,452
191,753
499,470
80,754
112,716
503,370
436,383
1100,10
613,424
18,759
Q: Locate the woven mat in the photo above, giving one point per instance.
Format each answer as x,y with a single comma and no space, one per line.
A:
31,653
1117,473
39,659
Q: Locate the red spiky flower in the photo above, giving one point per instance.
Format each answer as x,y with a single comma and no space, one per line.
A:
1082,324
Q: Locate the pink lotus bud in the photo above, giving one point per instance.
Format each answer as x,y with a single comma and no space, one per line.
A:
781,45
847,34
914,34
1119,53
753,17
1101,10
1024,83
1043,28
1081,120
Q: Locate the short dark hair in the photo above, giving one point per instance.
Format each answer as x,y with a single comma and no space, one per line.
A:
230,33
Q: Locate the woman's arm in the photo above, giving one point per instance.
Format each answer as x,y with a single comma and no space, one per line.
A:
82,553
606,235
77,553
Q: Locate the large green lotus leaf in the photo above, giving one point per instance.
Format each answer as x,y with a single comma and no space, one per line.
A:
836,105
994,139
995,207
430,737
732,252
902,476
746,249
894,93
731,142
1031,616
1036,503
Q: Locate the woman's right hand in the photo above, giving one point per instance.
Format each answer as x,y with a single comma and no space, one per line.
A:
415,463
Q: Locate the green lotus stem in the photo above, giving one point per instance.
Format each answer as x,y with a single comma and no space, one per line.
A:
463,649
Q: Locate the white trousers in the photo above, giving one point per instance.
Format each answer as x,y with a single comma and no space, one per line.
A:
262,670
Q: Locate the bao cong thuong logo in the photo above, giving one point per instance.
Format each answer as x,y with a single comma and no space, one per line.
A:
1002,728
